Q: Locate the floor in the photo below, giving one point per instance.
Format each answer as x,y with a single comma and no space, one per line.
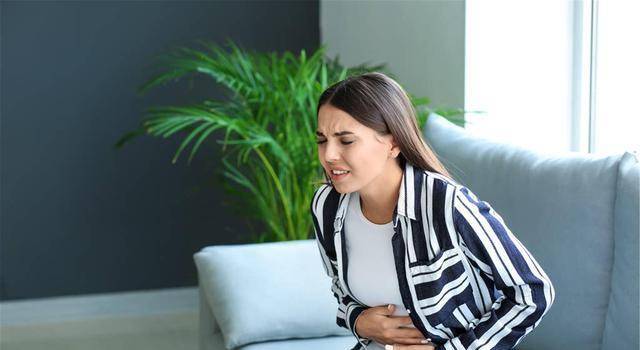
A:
158,320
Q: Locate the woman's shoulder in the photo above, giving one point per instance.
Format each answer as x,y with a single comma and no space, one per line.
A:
460,190
432,176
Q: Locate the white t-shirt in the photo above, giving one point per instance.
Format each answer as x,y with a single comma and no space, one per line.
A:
371,267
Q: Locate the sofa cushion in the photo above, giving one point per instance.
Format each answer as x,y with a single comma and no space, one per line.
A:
268,291
324,343
560,206
621,329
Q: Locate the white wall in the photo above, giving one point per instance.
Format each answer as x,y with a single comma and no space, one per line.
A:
519,72
422,42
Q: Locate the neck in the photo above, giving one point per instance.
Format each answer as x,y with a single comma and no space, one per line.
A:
379,198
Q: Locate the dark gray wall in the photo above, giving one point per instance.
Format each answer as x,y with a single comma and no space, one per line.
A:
78,216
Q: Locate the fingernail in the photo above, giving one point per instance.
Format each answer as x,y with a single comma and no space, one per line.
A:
426,341
388,347
389,307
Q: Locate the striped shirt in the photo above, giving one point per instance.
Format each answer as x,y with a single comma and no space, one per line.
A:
465,280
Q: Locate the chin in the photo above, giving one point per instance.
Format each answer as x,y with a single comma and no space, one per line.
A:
340,188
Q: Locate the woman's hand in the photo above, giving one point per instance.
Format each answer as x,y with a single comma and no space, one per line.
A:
409,347
377,323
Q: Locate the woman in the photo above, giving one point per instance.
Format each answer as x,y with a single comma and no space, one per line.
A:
417,261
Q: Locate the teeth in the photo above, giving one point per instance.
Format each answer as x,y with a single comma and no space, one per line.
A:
338,172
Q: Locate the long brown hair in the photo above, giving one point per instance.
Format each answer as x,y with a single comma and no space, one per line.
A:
380,103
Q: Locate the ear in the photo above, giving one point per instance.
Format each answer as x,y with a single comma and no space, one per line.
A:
395,148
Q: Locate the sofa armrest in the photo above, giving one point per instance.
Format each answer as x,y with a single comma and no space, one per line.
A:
208,328
266,291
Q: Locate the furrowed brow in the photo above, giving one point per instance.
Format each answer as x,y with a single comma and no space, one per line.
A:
340,133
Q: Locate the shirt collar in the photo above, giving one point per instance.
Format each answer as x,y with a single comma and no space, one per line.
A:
406,200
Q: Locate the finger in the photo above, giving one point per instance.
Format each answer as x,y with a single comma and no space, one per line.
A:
411,341
408,347
396,347
389,309
386,309
401,320
407,333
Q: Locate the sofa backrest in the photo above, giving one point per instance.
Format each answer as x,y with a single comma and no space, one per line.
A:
561,207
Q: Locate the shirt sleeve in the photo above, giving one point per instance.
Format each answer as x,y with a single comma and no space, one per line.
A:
526,292
348,309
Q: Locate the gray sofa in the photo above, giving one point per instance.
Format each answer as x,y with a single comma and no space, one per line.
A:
576,213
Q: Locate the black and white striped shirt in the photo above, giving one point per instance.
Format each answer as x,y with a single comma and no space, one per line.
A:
465,280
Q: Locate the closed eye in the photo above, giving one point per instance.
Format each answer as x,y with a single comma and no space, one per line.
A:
343,142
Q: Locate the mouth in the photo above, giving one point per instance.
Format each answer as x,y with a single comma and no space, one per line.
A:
339,176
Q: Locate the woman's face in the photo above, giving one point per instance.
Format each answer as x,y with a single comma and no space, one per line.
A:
344,143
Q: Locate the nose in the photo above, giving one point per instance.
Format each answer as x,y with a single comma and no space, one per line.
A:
331,153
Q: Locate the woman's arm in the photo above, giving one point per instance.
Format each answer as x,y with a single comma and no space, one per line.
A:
348,309
528,291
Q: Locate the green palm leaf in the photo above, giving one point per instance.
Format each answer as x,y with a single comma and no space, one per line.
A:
270,166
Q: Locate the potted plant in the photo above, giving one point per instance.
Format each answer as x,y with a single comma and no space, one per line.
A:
270,163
